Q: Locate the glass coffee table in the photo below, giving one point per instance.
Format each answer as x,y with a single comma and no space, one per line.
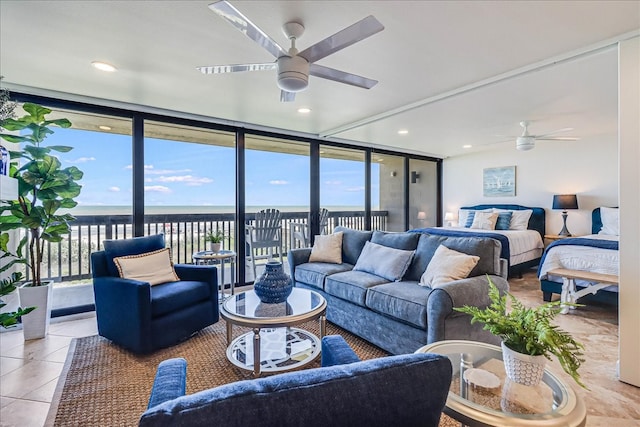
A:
273,345
504,403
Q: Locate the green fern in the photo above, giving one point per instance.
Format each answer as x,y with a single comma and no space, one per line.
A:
529,330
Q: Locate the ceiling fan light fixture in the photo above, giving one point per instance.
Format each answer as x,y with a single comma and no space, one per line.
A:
525,143
293,73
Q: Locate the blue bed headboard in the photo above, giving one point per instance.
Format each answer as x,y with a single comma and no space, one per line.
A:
536,222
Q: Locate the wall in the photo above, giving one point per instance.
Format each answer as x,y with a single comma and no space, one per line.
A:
588,168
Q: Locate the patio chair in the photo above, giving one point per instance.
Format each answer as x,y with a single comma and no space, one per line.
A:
265,234
301,232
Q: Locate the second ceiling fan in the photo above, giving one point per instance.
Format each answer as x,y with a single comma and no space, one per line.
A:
294,67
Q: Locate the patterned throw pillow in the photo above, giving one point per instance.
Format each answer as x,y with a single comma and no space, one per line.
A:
152,267
485,220
504,221
469,220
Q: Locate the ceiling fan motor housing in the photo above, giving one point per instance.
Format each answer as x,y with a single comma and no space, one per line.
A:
525,143
293,73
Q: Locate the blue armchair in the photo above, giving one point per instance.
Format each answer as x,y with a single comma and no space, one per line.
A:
405,390
143,318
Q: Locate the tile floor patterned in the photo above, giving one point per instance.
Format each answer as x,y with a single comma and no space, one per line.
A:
29,370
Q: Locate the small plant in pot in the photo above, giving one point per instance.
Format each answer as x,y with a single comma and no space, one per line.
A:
528,332
44,187
215,239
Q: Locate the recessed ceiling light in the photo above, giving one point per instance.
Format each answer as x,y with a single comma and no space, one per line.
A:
467,146
403,132
104,127
103,66
304,110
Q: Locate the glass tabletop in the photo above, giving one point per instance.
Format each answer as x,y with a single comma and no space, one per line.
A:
480,387
247,305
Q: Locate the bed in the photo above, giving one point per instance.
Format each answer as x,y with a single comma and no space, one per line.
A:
596,253
522,248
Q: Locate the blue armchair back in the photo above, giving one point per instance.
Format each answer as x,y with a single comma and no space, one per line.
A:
143,318
405,390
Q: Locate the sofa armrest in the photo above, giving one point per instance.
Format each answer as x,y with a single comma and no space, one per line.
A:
504,268
296,257
170,381
336,351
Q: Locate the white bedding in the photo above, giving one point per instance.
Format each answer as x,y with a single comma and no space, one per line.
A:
524,245
585,258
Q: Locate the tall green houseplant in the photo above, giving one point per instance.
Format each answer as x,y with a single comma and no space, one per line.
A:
44,187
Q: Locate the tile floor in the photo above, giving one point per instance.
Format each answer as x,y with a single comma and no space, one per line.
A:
29,370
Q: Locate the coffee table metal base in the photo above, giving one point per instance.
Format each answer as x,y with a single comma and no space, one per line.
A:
274,349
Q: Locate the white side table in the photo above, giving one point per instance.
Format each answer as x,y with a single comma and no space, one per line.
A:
219,258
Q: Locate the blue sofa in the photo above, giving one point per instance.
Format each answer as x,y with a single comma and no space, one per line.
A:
401,316
143,318
405,390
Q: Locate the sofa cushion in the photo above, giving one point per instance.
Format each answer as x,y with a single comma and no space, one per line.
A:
404,241
171,297
133,246
404,301
446,266
327,248
352,243
314,274
352,285
383,261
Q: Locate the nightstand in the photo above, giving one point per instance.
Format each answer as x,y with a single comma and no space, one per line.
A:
548,238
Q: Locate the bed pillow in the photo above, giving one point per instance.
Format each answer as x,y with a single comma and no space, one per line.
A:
463,215
520,219
327,248
485,220
152,267
504,220
610,221
389,263
446,266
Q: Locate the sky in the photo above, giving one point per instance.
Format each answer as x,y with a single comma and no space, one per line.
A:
190,174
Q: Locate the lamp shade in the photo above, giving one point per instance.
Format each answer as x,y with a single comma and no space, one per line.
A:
565,201
422,215
448,216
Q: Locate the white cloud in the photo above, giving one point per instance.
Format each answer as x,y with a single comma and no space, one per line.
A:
114,189
157,189
333,182
146,167
354,189
82,160
278,182
187,179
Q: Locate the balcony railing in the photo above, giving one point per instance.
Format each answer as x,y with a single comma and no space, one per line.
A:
184,233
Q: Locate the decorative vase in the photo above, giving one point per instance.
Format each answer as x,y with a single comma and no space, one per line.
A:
36,324
215,247
523,368
274,285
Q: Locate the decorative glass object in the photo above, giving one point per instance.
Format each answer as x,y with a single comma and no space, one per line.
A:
274,285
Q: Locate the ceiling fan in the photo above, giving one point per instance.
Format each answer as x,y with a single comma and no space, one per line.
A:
526,141
294,67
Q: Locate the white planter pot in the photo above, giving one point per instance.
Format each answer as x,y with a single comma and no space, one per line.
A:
215,247
36,324
523,368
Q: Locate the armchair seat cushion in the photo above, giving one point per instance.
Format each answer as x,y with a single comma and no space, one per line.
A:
314,274
169,297
404,301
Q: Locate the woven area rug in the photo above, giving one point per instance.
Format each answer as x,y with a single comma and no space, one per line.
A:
104,385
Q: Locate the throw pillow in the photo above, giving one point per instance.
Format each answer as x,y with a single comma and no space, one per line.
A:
131,246
446,266
610,221
463,214
470,216
520,219
327,248
152,267
504,220
485,220
383,261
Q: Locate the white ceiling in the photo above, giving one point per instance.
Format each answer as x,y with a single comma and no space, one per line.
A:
450,72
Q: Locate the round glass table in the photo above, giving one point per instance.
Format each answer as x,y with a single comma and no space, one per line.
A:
504,403
273,345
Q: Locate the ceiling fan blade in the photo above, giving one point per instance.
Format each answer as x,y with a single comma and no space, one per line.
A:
220,69
552,133
242,23
344,38
287,96
559,138
341,76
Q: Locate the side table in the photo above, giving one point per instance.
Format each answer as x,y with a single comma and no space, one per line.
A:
219,258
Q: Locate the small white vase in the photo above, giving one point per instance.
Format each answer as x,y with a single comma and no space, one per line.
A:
36,324
215,247
523,368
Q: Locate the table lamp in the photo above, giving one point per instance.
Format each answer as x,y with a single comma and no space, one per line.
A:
564,202
448,216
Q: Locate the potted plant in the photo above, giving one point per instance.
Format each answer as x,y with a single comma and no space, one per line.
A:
527,332
44,187
215,240
7,286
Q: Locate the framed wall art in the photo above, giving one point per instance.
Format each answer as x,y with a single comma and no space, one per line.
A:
498,182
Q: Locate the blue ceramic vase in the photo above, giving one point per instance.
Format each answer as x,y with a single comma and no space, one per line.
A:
274,285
